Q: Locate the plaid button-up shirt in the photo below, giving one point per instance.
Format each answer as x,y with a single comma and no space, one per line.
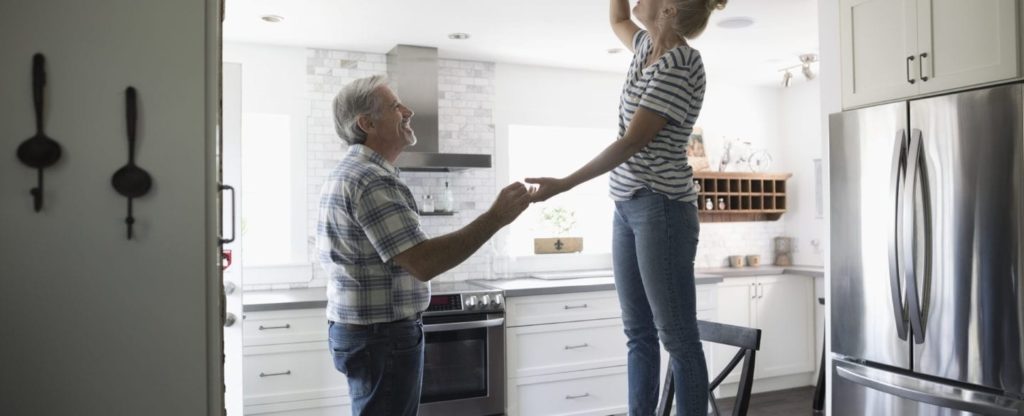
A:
367,217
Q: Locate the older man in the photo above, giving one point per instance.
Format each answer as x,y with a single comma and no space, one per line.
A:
378,259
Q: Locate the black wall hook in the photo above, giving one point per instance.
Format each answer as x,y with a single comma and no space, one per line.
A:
131,180
40,151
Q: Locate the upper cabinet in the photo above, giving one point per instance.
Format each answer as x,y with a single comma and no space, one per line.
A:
893,49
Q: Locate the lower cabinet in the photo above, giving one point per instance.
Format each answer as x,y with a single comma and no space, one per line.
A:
287,368
783,308
566,354
596,392
338,406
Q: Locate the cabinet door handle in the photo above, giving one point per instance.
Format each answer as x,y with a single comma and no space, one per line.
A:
576,396
573,347
283,373
920,66
285,326
910,60
760,288
583,306
754,286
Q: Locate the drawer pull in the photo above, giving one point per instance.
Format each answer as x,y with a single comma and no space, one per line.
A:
576,396
573,347
285,326
583,306
286,373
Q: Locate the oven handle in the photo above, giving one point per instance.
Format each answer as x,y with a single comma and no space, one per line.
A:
458,326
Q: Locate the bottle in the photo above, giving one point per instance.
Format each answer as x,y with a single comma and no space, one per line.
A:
447,202
721,203
696,185
708,205
428,205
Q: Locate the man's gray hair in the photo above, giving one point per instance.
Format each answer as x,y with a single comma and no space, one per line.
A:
355,99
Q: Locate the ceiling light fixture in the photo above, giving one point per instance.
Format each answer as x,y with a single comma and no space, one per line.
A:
805,67
787,78
614,51
272,18
458,36
736,22
806,61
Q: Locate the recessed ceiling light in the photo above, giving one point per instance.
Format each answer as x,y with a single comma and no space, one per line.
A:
614,51
735,22
458,36
272,18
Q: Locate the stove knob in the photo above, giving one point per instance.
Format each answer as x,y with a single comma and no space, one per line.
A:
485,301
498,300
471,302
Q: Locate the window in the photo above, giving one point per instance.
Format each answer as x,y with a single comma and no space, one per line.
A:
558,151
266,186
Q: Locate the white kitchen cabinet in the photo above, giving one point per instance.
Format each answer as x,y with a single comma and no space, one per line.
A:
287,367
783,308
876,39
894,49
596,392
566,353
963,43
563,347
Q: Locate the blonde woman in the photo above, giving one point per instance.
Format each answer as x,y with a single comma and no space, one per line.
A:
655,225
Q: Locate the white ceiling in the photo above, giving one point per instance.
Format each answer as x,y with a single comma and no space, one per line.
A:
558,33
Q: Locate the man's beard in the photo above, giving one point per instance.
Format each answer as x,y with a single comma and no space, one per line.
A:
410,138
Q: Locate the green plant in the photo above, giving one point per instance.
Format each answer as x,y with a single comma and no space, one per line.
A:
561,220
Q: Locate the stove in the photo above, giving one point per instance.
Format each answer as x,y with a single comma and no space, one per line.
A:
447,298
464,351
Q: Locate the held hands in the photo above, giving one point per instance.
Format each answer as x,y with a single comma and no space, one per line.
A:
511,201
546,188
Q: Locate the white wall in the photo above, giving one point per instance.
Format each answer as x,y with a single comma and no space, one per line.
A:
831,102
92,323
274,82
801,138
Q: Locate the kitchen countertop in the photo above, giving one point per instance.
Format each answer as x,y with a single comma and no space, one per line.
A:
271,300
532,286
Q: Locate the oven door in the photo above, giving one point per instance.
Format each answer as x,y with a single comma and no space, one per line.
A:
464,365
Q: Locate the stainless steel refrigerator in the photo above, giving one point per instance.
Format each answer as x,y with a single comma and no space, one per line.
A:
927,232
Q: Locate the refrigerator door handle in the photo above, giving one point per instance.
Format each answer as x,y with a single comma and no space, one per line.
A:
937,394
909,266
899,155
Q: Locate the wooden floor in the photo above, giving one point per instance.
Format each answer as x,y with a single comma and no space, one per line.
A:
793,402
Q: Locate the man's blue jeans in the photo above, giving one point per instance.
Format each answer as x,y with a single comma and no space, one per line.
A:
654,243
384,366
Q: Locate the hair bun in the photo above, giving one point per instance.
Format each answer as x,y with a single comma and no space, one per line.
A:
716,4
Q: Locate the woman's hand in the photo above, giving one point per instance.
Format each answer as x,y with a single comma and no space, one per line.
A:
546,188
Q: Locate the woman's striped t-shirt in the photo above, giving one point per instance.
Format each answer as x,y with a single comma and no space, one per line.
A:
673,87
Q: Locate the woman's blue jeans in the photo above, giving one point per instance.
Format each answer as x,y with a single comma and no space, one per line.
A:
653,248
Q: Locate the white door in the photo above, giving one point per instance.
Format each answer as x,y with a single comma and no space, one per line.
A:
735,307
963,43
878,44
231,153
785,314
92,323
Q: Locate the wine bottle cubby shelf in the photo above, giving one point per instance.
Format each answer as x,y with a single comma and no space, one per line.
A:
739,196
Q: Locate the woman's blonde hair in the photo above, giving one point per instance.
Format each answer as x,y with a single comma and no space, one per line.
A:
692,16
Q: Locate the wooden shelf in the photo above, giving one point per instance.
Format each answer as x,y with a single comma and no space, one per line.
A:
746,196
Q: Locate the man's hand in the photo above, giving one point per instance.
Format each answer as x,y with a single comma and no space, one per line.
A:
547,188
511,202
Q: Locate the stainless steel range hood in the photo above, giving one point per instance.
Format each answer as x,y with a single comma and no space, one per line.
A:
414,71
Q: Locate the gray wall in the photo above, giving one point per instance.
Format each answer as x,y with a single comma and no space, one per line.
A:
92,324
